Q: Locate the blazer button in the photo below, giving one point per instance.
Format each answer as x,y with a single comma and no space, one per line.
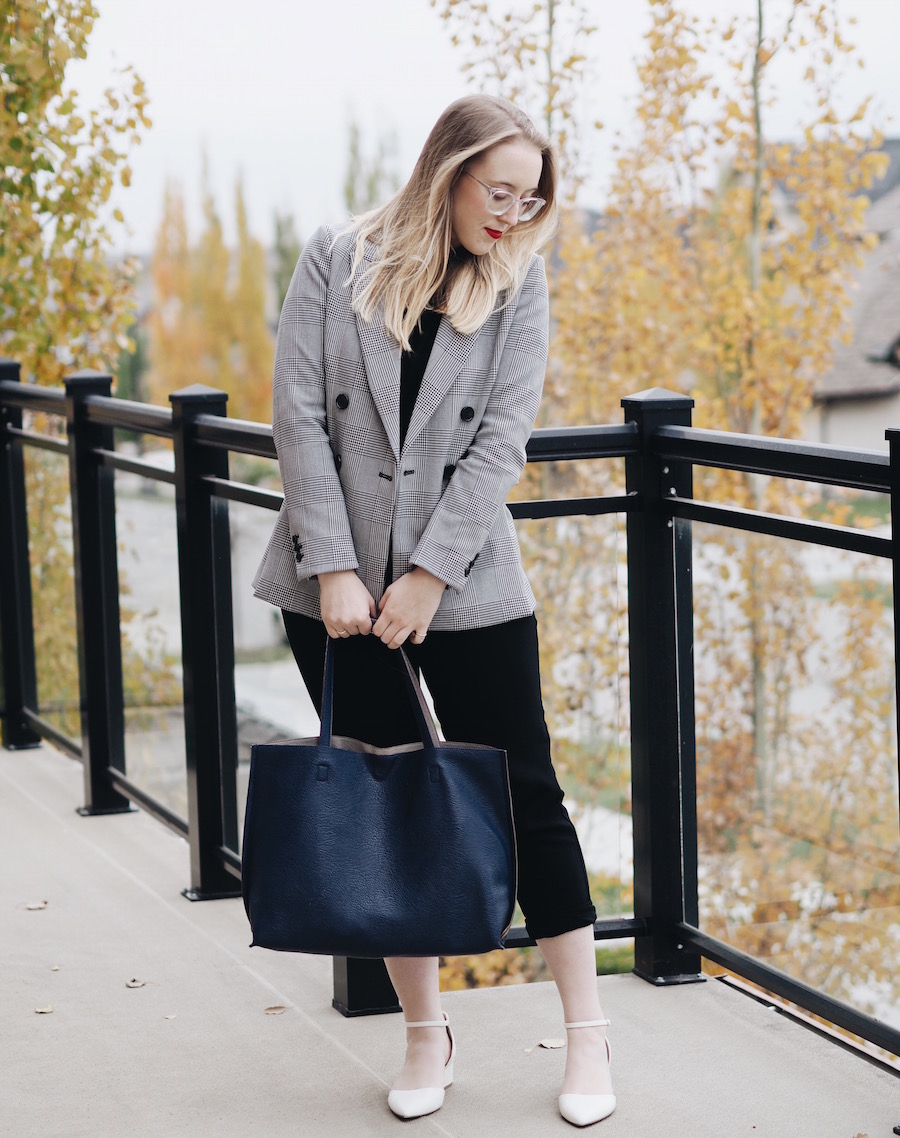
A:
343,401
448,470
467,414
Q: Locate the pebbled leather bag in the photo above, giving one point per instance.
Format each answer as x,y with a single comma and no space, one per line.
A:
354,850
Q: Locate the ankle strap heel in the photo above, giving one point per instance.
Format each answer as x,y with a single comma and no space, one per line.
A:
585,1110
425,1100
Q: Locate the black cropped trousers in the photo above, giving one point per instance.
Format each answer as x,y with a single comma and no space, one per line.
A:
486,687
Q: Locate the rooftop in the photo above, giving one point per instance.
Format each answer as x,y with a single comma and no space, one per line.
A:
193,1053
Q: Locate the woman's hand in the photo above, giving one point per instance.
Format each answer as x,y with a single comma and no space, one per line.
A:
408,607
348,608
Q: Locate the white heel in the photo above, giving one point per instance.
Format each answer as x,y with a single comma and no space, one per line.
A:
585,1110
425,1100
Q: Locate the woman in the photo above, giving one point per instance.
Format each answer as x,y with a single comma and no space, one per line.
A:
409,366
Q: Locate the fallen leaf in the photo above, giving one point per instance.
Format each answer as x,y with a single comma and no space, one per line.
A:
169,1017
551,1044
276,1010
135,983
33,906
54,967
44,1011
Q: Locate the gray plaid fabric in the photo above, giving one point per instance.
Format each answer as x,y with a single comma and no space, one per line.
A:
349,490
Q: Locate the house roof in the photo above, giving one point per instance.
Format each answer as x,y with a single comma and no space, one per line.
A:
869,366
884,212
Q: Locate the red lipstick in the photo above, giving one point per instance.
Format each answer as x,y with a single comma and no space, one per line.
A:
495,233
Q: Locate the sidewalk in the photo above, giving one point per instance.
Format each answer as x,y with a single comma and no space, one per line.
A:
193,1054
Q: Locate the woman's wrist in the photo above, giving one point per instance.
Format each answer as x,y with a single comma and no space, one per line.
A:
427,577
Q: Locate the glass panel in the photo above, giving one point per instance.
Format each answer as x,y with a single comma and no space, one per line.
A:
151,634
272,701
577,570
53,589
837,505
797,761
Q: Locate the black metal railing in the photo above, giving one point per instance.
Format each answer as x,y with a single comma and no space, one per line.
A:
660,450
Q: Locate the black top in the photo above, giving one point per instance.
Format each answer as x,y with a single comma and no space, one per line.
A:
413,364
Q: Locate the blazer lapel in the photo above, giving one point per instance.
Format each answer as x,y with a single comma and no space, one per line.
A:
449,354
381,355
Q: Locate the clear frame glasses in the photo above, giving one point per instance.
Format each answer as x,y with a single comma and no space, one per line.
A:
502,201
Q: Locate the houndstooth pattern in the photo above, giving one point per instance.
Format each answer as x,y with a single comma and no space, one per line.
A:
347,486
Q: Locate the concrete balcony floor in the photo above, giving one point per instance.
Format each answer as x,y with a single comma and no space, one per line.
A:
193,1053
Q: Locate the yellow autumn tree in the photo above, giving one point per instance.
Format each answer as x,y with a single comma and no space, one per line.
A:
63,297
715,291
208,322
254,351
65,300
173,326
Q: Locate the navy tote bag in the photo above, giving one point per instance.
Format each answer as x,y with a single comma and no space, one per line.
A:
354,850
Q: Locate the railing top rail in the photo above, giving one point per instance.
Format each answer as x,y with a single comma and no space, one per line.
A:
781,458
129,415
239,435
31,397
786,458
549,444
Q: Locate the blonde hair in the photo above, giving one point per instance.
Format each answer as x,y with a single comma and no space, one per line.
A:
414,229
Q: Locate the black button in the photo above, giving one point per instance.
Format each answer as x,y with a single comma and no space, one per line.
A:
338,462
409,472
467,414
386,477
343,401
448,470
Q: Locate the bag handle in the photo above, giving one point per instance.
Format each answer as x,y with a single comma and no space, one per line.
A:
424,720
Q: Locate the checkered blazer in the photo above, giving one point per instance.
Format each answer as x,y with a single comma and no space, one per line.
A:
351,494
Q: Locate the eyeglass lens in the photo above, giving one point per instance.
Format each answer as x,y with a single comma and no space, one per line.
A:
499,201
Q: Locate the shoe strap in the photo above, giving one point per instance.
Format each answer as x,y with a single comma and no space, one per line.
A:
589,1023
427,1023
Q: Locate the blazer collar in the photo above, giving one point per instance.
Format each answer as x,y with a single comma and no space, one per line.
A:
381,354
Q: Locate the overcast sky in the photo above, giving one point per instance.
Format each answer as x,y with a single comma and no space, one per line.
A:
267,90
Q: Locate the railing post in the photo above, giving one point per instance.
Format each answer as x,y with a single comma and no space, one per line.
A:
893,437
16,619
362,987
95,556
207,639
662,748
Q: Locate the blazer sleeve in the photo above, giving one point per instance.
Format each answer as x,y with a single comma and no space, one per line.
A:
483,478
316,511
